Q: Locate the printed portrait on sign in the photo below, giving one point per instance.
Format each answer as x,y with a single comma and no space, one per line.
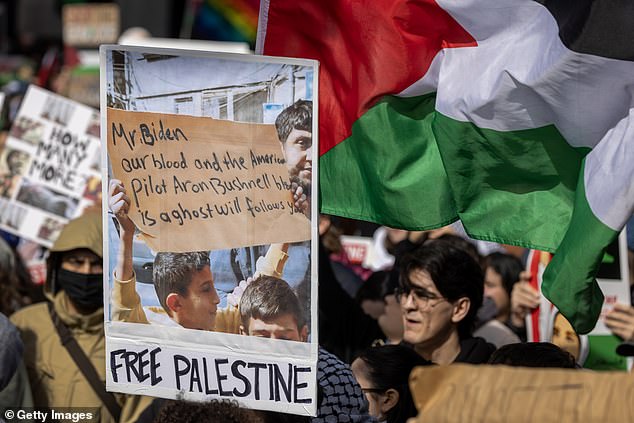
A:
44,166
210,211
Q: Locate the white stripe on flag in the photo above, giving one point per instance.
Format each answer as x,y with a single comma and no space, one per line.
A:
521,76
609,175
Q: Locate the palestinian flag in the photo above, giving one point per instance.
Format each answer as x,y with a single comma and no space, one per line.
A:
514,116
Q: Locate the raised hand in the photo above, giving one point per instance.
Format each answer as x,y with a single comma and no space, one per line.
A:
119,204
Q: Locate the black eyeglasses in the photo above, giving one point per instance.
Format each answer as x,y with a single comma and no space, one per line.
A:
422,297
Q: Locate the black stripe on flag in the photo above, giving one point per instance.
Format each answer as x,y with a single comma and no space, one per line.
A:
599,27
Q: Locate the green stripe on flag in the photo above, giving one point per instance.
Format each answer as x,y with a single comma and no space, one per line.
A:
405,163
508,184
381,173
569,280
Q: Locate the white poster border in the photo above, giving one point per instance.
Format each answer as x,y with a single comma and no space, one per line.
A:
120,333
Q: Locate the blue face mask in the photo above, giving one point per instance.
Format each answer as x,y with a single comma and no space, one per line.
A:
84,290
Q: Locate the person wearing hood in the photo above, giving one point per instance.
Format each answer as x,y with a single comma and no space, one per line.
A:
64,342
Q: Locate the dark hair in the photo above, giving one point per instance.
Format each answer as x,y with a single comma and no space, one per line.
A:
278,417
507,266
454,272
389,367
213,411
299,115
533,354
172,273
463,244
376,287
16,285
267,298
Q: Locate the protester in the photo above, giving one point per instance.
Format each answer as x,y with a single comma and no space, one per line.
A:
214,411
15,390
620,320
376,298
15,284
533,354
440,291
501,273
351,276
344,329
524,299
383,374
270,309
370,294
68,329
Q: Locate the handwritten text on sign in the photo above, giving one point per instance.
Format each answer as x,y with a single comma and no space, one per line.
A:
198,183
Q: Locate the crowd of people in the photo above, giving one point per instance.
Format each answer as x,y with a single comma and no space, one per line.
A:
441,302
436,298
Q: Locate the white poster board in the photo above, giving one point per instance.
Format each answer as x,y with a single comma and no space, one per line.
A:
215,200
49,166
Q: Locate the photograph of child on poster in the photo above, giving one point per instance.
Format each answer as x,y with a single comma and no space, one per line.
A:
201,288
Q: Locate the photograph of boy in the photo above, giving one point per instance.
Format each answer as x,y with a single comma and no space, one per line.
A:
183,282
270,309
186,291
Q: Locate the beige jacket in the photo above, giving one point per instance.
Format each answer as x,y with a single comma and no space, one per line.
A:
55,379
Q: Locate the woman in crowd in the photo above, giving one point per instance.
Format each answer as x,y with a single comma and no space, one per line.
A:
376,298
383,373
502,272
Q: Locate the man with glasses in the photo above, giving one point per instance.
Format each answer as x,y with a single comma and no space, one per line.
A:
440,290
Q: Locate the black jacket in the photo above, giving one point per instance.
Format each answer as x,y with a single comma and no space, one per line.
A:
474,351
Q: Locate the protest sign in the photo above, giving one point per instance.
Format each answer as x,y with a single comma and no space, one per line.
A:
49,166
511,394
201,175
89,25
596,350
360,250
220,200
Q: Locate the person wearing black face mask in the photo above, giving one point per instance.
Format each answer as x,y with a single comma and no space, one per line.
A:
80,275
64,343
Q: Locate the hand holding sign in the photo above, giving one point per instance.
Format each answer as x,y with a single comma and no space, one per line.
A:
621,321
524,298
119,204
300,199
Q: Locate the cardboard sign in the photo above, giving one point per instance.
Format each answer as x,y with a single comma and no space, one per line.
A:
200,175
49,167
511,394
89,25
225,227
